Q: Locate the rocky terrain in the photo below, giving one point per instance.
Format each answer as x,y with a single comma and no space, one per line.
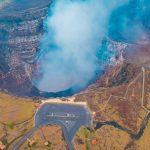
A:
138,54
122,110
21,27
20,30
120,97
4,3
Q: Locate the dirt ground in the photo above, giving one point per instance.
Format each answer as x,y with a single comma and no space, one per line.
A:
126,104
16,117
53,135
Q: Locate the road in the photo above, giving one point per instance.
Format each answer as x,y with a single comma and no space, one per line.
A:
69,116
16,146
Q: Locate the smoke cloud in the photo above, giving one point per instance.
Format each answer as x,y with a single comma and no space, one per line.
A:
130,22
74,30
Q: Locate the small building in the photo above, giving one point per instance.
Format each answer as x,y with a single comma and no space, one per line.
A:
94,115
31,142
94,142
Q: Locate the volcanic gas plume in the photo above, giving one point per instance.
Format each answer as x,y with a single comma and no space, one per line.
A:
74,30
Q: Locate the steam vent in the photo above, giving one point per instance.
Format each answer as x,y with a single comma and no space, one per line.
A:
21,26
20,29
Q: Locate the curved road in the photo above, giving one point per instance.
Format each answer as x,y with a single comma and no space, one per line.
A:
70,117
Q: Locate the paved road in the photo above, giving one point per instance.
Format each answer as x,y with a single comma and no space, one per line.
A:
16,146
70,117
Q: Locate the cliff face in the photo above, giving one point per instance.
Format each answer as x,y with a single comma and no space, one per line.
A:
21,26
20,30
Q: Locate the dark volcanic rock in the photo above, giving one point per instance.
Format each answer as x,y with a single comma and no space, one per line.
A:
21,25
125,75
138,54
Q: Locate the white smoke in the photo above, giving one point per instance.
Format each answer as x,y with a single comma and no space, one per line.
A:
74,30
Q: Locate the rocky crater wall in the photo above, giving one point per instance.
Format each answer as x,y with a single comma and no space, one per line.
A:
20,32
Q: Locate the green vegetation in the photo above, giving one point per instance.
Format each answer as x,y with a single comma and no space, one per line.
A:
48,144
86,136
35,144
11,125
4,141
